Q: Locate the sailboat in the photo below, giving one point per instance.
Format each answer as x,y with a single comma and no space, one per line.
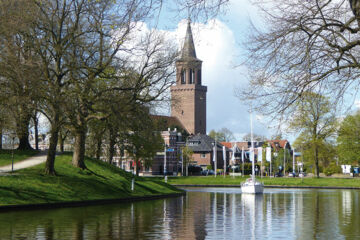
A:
251,185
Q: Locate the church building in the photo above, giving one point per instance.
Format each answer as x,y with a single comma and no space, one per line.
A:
188,96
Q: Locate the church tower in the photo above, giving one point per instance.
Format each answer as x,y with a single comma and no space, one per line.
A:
188,96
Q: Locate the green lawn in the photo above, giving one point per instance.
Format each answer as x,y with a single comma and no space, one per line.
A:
19,155
100,181
308,181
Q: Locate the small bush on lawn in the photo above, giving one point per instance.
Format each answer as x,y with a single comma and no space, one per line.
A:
331,169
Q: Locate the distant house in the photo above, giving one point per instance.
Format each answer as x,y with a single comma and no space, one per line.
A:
173,140
276,145
203,147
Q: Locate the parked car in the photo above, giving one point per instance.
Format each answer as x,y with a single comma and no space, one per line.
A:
292,174
207,172
302,174
278,174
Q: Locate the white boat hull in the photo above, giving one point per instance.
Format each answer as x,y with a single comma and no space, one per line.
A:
252,187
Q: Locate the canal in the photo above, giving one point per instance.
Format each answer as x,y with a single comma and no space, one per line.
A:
204,213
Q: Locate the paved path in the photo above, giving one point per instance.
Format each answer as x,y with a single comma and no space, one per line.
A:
29,162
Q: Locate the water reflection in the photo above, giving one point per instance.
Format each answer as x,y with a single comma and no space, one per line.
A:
208,213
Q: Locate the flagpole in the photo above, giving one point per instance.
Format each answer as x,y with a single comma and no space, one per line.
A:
242,159
252,148
224,158
215,157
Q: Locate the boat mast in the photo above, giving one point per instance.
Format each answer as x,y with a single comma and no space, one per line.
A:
252,153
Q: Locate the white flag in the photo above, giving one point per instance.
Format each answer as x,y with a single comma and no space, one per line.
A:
242,154
268,154
260,154
224,154
252,154
233,154
214,153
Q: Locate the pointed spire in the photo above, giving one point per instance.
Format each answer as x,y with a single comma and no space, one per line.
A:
188,52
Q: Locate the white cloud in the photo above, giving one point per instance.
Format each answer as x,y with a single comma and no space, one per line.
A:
357,103
218,45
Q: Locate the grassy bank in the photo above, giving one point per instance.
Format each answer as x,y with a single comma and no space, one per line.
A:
100,181
308,181
19,155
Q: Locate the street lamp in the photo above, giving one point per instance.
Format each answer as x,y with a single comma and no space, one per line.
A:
293,160
12,154
135,163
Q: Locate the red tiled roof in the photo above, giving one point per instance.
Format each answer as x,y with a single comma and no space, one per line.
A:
227,144
276,144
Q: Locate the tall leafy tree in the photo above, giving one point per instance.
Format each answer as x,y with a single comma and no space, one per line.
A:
19,72
314,120
327,152
348,139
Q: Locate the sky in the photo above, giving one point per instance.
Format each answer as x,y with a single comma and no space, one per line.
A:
218,44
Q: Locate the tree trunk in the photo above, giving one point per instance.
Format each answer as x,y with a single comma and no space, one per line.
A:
36,128
112,140
0,137
78,159
22,131
50,160
98,147
316,162
136,166
61,142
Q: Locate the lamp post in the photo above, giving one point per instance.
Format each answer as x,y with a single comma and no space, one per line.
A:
165,161
182,162
135,163
293,160
12,154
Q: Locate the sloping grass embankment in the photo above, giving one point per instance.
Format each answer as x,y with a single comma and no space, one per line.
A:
99,181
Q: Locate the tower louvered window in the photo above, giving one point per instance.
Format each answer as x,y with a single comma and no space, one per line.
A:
183,76
199,76
192,76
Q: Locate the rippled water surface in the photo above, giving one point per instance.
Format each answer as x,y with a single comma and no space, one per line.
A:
204,213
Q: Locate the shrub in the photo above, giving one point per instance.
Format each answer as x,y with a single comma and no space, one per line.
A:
331,169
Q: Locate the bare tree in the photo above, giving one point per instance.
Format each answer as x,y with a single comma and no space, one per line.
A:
76,42
256,137
306,46
200,9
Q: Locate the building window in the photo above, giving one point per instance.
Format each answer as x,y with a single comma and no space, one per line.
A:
199,77
203,155
191,76
183,76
